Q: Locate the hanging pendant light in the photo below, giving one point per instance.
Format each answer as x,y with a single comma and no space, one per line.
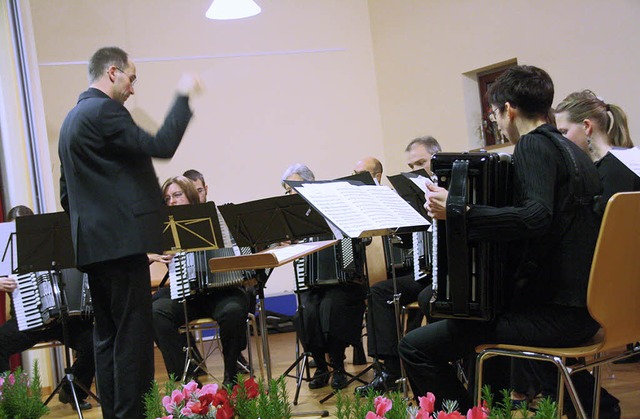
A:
232,9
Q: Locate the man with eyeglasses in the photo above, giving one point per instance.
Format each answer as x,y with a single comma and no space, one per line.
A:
106,158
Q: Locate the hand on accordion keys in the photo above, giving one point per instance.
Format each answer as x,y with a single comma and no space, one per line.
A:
436,201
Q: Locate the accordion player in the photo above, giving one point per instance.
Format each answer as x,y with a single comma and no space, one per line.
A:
467,277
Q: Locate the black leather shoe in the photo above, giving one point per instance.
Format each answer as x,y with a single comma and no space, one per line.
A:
339,380
381,383
64,398
320,379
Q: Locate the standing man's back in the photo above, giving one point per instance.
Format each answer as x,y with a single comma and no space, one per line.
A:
109,188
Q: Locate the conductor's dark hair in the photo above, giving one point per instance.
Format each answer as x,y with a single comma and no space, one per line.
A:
527,88
18,211
104,58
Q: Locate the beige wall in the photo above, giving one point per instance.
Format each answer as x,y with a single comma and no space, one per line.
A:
422,49
294,84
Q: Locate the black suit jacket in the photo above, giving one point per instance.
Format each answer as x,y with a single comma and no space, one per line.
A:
108,184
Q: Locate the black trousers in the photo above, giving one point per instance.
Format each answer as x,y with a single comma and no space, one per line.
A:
428,351
123,338
383,338
229,307
80,332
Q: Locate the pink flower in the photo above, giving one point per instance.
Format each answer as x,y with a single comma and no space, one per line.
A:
189,388
477,412
167,417
382,405
423,414
428,402
371,415
209,389
12,379
186,412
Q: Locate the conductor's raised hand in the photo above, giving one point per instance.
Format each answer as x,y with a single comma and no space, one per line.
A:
436,204
190,85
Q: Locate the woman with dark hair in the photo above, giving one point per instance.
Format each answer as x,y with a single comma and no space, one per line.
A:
550,257
598,127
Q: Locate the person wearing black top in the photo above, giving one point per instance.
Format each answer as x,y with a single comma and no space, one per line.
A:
552,229
597,127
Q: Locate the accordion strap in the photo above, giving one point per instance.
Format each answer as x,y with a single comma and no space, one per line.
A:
457,247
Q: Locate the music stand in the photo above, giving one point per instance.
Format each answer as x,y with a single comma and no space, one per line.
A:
190,228
258,224
44,244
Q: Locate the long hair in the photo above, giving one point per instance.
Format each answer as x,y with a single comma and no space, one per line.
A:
609,119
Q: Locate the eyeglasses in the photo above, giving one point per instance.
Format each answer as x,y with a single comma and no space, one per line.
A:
132,77
176,195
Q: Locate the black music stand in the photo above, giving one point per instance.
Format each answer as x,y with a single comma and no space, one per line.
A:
258,224
190,228
44,244
376,231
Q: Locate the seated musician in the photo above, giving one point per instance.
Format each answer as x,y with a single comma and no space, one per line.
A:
331,315
13,340
551,228
228,306
383,341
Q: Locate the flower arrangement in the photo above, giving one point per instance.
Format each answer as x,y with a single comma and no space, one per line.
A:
249,400
395,407
21,397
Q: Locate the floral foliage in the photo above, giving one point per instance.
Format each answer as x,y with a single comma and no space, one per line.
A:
249,400
21,397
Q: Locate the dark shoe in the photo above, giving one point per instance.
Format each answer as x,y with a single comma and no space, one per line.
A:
65,398
320,379
339,380
630,360
381,383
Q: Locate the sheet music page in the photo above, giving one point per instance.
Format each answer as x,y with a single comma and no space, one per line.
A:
419,180
359,208
630,157
329,199
6,229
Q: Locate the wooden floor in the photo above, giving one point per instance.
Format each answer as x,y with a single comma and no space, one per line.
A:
621,380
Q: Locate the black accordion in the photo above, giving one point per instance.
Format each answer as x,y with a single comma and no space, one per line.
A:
411,257
38,297
342,263
189,273
467,277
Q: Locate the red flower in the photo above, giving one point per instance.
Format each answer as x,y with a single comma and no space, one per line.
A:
220,398
252,388
224,412
200,409
477,412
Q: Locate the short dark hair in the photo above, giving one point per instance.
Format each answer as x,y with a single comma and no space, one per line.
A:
527,88
105,57
194,175
431,144
18,211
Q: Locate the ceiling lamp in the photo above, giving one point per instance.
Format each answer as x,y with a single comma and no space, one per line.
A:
232,9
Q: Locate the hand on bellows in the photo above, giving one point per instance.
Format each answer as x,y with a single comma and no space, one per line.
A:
7,284
190,85
436,204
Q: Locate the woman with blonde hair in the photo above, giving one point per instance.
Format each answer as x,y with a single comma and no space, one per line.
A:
598,127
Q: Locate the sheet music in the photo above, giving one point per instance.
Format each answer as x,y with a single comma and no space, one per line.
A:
6,264
630,157
356,209
419,180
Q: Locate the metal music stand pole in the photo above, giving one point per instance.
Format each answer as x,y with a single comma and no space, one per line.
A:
399,326
55,276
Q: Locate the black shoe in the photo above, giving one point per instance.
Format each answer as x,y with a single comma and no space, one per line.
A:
64,398
320,379
339,380
630,360
381,383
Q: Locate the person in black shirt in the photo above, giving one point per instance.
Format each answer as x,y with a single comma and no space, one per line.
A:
597,127
552,230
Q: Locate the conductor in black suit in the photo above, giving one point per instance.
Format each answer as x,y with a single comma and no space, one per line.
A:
109,188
